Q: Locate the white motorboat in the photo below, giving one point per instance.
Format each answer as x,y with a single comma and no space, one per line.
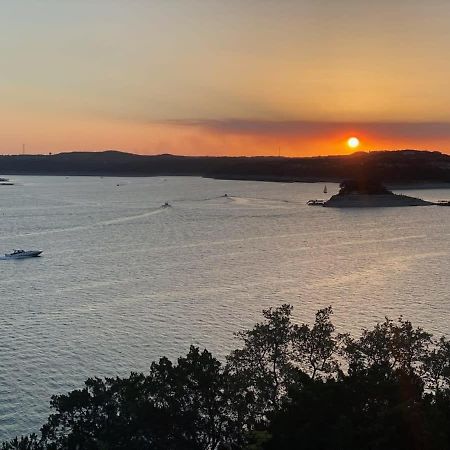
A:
18,254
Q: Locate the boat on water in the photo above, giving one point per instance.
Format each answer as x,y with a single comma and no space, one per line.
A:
6,182
325,190
166,205
315,202
19,254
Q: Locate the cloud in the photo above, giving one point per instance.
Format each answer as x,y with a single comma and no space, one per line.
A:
311,129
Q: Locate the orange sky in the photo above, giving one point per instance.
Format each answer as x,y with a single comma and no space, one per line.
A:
220,78
219,137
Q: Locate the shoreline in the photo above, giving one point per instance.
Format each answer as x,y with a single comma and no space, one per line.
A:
419,185
307,180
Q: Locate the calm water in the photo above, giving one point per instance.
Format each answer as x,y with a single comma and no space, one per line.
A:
123,281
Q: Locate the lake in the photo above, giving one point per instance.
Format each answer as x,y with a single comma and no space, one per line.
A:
123,281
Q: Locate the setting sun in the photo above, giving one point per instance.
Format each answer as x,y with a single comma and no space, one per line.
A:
353,142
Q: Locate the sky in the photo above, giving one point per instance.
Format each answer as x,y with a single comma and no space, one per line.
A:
207,77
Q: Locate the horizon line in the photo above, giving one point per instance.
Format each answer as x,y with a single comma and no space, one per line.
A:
125,152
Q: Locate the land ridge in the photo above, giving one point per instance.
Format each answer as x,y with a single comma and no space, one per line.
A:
394,167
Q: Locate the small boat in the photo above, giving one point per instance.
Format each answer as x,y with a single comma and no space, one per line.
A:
19,254
166,205
6,182
325,189
315,202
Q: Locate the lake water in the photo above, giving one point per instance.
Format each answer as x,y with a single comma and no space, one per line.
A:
123,281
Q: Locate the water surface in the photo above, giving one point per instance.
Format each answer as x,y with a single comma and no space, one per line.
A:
123,281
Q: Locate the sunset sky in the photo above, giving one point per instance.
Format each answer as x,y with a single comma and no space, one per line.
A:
224,77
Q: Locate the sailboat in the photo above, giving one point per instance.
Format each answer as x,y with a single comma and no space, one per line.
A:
325,189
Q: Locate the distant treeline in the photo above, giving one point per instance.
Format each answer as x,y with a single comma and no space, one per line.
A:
405,166
288,386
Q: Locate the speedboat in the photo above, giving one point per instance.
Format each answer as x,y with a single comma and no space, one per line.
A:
315,202
18,254
166,205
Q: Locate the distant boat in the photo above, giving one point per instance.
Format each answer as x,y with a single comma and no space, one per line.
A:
6,182
315,202
166,205
325,189
19,254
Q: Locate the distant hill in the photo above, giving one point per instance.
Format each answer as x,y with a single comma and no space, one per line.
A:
403,166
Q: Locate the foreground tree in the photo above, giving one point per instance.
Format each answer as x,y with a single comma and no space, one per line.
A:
287,386
389,346
177,406
263,365
436,366
315,348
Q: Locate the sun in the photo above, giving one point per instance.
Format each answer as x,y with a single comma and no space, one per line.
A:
353,142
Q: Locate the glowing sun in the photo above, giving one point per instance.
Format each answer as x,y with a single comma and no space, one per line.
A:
353,142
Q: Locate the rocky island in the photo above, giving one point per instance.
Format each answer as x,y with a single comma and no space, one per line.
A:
369,193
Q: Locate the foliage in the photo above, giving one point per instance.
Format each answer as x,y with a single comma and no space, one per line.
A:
179,406
288,386
315,348
23,443
390,346
362,185
263,365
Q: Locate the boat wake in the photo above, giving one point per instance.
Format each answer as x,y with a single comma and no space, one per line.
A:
88,226
261,202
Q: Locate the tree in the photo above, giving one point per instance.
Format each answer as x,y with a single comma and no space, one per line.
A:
23,443
363,185
263,364
436,365
288,386
179,406
388,345
316,347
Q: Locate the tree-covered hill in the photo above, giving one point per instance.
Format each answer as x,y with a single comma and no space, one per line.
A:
404,166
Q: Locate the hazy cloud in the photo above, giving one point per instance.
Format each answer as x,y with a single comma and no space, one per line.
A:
416,130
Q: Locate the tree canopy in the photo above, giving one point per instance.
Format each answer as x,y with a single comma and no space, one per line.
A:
287,385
